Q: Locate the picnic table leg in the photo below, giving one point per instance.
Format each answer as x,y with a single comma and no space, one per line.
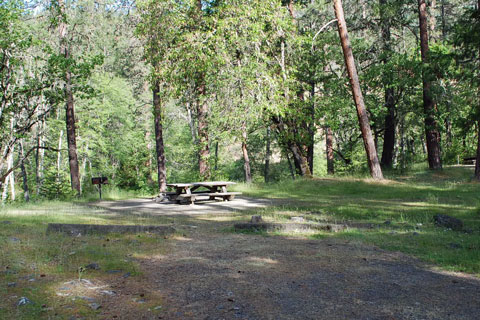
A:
212,190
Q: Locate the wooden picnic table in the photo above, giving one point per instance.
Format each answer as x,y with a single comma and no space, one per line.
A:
188,191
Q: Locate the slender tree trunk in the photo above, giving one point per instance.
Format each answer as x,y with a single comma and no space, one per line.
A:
246,159
431,129
389,127
8,178
70,109
160,148
216,156
433,20
477,162
204,151
266,171
329,149
191,123
311,130
202,129
372,158
39,157
59,152
26,192
290,166
12,174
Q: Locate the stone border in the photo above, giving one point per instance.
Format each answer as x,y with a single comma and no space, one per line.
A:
288,227
84,229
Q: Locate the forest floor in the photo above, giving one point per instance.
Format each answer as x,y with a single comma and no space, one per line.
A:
392,263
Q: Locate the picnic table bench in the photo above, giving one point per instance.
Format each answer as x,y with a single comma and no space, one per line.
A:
189,191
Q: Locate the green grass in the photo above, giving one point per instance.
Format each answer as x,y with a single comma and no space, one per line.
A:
408,202
27,252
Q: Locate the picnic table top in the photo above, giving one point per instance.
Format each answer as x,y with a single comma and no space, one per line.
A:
201,184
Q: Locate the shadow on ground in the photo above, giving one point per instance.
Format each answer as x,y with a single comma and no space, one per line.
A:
209,273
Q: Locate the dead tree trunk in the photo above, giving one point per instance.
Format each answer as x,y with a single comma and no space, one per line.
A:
431,129
372,158
160,148
329,149
70,110
246,159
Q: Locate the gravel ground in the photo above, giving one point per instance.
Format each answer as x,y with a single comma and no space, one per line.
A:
212,274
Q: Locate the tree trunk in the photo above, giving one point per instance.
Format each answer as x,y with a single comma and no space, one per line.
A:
311,130
39,157
204,151
246,159
389,127
431,131
160,148
216,156
266,170
433,20
70,110
329,149
290,166
372,158
59,152
26,192
477,162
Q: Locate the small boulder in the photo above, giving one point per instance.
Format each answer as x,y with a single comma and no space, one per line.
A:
92,266
256,219
297,219
23,301
445,221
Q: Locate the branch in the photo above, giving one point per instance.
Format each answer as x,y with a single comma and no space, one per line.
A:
19,163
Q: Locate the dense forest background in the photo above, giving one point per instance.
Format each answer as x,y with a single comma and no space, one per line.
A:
144,92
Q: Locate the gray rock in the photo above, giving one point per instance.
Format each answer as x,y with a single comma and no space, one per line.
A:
95,306
7,222
256,219
445,221
415,233
114,271
88,299
453,245
11,284
126,275
24,301
109,292
14,240
157,308
92,266
297,219
387,223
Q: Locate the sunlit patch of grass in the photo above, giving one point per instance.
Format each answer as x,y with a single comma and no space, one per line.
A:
38,262
402,206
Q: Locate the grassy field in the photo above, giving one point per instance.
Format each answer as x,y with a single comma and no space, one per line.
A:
403,208
37,266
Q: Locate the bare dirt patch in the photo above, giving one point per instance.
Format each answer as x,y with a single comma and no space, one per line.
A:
209,273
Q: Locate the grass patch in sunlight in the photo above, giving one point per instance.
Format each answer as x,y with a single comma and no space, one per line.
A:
402,207
39,263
